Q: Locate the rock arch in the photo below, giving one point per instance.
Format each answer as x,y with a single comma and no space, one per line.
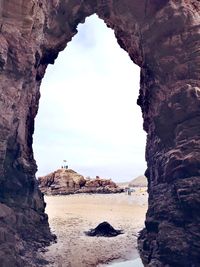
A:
163,38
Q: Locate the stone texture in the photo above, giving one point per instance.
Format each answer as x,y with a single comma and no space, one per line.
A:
101,186
67,181
61,182
163,38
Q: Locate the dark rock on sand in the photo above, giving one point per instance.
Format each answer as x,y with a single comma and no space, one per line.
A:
104,229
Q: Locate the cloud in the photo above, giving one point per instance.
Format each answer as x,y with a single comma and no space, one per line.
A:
88,112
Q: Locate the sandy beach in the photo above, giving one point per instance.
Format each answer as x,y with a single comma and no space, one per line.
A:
70,216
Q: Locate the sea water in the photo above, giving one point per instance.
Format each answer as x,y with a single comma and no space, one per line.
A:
133,263
130,263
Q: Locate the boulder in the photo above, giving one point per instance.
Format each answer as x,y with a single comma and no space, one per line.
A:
104,229
61,182
101,186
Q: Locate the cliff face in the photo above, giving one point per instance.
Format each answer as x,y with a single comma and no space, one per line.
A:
163,38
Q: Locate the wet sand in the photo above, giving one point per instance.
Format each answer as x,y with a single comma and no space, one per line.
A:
70,216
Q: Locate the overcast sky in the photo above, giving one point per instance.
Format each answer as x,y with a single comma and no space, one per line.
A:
88,113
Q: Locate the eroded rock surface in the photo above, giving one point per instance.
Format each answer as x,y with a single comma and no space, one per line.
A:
66,181
100,186
163,38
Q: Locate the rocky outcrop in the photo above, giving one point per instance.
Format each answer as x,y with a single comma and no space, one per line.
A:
163,38
61,182
101,186
67,181
22,233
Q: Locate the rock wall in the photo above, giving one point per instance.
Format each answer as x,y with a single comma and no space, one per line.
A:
163,38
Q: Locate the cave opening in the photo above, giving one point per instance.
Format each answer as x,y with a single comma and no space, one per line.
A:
89,117
163,39
88,113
